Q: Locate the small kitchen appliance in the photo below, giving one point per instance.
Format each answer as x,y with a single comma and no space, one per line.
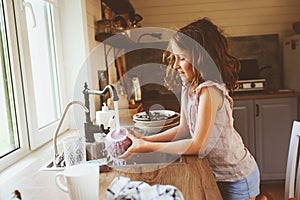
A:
249,79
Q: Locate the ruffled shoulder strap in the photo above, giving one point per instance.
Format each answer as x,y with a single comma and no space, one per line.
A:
219,86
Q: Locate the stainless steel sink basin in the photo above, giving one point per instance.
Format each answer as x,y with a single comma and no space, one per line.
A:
143,160
151,159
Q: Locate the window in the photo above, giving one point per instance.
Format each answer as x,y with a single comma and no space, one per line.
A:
43,61
30,83
39,37
13,137
37,30
9,139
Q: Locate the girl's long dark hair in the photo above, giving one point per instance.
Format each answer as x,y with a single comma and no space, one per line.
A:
212,42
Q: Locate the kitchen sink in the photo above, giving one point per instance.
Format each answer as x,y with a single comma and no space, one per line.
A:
150,159
142,160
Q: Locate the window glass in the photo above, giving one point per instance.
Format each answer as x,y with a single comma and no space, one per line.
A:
30,89
9,140
43,61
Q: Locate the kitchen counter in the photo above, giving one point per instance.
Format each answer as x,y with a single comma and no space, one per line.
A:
193,178
264,94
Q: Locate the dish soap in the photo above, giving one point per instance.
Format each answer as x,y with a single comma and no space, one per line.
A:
105,117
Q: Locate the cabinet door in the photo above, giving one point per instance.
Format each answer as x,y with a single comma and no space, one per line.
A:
273,123
243,112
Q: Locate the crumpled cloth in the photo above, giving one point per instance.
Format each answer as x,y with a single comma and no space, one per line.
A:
122,188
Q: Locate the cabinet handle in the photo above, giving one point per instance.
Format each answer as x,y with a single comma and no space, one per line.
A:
257,110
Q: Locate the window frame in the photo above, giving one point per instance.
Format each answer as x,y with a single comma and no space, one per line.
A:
38,137
67,58
16,80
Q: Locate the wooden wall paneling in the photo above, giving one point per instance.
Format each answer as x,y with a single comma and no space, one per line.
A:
237,17
231,4
210,7
273,11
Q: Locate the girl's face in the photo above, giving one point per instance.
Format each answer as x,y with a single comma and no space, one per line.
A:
183,64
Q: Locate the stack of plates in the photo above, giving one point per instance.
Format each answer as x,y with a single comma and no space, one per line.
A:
159,120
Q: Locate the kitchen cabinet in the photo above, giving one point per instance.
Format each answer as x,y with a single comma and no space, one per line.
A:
243,113
265,126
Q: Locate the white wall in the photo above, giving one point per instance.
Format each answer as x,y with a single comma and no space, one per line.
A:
74,51
96,57
74,39
93,13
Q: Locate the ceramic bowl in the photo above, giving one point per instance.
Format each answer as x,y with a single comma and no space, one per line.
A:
117,142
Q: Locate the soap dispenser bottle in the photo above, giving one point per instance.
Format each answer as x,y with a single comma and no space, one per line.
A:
105,117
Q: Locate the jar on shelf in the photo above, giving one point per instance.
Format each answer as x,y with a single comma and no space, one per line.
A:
103,27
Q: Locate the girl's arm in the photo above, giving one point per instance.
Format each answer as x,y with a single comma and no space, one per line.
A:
209,103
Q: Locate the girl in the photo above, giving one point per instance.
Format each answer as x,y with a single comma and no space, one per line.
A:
201,64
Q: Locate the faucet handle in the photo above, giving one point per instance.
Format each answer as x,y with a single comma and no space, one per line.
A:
59,161
106,131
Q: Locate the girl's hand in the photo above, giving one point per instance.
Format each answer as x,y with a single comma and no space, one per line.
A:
136,147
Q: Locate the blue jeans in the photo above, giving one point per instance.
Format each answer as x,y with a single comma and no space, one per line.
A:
242,189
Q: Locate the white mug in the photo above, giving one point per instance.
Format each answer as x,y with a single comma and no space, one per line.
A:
82,181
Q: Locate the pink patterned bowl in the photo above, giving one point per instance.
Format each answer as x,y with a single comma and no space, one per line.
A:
117,142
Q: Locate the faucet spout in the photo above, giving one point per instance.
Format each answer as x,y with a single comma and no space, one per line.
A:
56,154
90,128
107,88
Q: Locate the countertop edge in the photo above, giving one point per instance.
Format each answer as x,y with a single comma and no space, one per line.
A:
263,95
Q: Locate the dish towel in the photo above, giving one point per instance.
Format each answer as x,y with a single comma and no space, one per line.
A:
122,188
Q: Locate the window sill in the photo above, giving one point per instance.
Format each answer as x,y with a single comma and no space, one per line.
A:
39,158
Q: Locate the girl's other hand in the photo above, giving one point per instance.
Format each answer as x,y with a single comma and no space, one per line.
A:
136,146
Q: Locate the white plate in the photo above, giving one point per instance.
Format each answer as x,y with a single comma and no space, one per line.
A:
158,122
155,129
142,116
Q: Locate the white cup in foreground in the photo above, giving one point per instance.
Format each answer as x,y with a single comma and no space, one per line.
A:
74,150
80,181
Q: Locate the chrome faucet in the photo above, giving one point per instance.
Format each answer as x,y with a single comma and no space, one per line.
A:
90,128
59,158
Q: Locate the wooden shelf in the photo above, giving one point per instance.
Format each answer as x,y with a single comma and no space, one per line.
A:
100,37
116,40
